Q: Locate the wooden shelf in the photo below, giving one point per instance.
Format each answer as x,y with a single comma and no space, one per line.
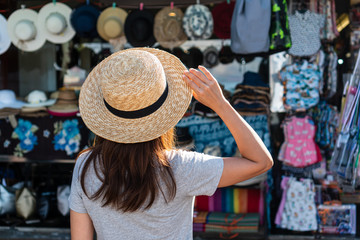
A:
14,159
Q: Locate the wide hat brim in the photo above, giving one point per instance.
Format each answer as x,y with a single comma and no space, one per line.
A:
117,129
78,13
5,41
119,13
28,46
65,11
40,104
131,33
165,39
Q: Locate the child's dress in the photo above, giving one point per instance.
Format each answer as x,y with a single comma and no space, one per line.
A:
299,147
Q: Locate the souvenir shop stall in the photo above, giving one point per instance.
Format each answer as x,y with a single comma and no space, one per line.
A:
280,64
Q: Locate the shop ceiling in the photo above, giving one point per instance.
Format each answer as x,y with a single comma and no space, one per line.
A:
128,4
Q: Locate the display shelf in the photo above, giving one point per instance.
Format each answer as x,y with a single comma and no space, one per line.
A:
34,233
261,234
14,159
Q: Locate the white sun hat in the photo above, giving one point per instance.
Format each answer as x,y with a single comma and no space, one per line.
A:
8,99
37,98
54,20
198,22
23,32
5,41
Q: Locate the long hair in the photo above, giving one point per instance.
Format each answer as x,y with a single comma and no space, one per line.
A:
130,173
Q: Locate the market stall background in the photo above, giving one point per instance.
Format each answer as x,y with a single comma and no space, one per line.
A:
250,81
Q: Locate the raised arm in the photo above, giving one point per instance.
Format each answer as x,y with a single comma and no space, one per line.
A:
255,159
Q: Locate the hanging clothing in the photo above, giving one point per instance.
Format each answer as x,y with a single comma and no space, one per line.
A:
297,210
254,13
299,148
301,81
305,33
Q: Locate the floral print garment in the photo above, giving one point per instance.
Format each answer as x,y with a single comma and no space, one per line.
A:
299,213
301,82
25,132
67,136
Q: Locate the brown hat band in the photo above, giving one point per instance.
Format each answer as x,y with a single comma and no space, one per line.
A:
141,112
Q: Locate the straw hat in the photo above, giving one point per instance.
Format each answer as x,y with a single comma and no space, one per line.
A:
110,23
139,28
23,32
198,22
54,19
134,95
66,104
5,41
83,19
168,29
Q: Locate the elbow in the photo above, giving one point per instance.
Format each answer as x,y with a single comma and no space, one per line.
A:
268,164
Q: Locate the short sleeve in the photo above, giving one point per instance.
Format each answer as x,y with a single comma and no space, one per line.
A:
76,196
198,173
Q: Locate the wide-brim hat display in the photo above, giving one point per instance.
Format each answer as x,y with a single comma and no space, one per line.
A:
211,57
135,95
37,99
5,41
198,22
222,14
66,104
54,19
139,28
168,30
84,19
23,30
110,24
8,99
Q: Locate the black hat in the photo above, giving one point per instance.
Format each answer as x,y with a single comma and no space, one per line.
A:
194,57
226,55
139,26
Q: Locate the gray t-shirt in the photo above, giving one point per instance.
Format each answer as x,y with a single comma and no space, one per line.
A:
195,174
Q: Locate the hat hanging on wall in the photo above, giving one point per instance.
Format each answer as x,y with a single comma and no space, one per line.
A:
198,22
211,57
84,19
5,41
139,28
23,30
168,28
54,20
222,14
110,24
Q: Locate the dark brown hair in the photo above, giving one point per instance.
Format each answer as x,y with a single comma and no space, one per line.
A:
131,172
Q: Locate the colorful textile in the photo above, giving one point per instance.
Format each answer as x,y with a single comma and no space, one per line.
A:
209,132
299,212
261,126
299,148
231,200
301,82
